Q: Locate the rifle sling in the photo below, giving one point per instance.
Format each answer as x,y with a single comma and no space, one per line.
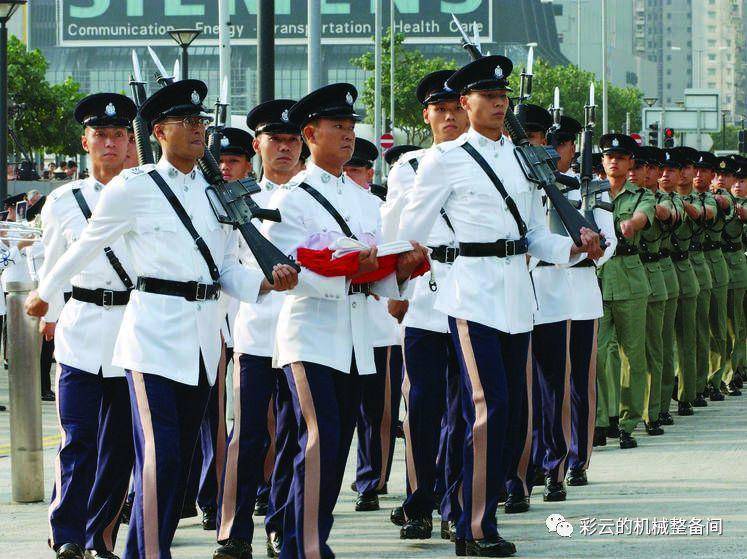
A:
414,164
326,204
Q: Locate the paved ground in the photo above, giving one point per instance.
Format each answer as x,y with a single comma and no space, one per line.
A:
693,473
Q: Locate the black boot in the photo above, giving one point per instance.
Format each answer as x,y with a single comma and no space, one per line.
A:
494,546
665,418
733,389
700,401
93,554
397,516
417,529
577,476
234,549
685,408
516,503
613,431
261,504
654,429
714,394
274,544
627,440
208,518
70,551
600,436
367,502
448,530
554,491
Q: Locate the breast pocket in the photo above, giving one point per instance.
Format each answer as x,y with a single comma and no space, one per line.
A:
158,227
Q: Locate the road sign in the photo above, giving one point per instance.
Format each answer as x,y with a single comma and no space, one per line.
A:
637,138
386,141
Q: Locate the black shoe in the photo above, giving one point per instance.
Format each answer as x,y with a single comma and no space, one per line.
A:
234,549
577,477
70,551
733,389
274,544
600,436
354,487
700,401
208,518
516,503
539,478
685,408
714,394
665,418
723,389
3,408
627,440
448,530
654,429
397,516
260,506
613,431
737,380
48,396
93,554
189,511
417,529
554,491
367,501
495,546
124,516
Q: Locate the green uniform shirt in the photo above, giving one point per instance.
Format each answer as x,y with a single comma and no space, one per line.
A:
712,236
732,238
650,245
665,249
623,277
680,240
697,258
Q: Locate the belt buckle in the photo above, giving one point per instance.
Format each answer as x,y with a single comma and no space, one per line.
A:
451,254
201,291
510,243
107,294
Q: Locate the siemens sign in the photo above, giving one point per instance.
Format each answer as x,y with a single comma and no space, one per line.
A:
141,22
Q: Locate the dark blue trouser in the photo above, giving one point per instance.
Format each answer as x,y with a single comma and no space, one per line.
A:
286,449
428,356
453,450
254,382
325,403
166,417
376,421
552,371
583,354
494,370
94,461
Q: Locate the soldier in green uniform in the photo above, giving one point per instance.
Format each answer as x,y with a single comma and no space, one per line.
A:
703,209
686,308
733,250
625,287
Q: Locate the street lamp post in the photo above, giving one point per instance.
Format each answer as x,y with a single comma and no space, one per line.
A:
7,9
184,38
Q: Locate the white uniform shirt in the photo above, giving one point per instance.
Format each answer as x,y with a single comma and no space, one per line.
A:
17,268
255,324
421,312
496,292
4,261
85,332
319,322
162,334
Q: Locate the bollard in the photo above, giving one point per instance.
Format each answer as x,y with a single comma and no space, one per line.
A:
24,346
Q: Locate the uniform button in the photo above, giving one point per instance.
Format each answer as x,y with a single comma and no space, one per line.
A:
97,187
108,283
354,304
157,228
186,189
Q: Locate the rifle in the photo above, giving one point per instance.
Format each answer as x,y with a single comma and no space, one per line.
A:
139,126
536,162
232,201
590,188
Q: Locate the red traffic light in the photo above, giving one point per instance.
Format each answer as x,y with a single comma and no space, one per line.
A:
669,132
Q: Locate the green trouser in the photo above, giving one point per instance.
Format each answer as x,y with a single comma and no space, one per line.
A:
685,332
717,314
667,359
654,360
614,366
736,344
626,318
702,339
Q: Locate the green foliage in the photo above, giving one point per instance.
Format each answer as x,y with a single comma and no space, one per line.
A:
44,120
729,139
410,66
574,94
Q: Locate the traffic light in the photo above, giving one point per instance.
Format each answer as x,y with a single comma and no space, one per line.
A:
743,141
669,137
653,134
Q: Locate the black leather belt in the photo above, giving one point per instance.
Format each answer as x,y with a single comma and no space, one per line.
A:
500,248
680,256
696,247
707,247
364,288
586,263
649,257
444,254
626,250
189,290
732,247
101,297
664,253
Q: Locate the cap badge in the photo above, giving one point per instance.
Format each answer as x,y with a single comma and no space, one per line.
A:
615,142
349,98
195,97
224,142
723,165
666,156
284,116
110,110
701,159
498,72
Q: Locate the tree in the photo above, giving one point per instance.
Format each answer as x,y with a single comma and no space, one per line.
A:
729,139
574,94
410,66
67,131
